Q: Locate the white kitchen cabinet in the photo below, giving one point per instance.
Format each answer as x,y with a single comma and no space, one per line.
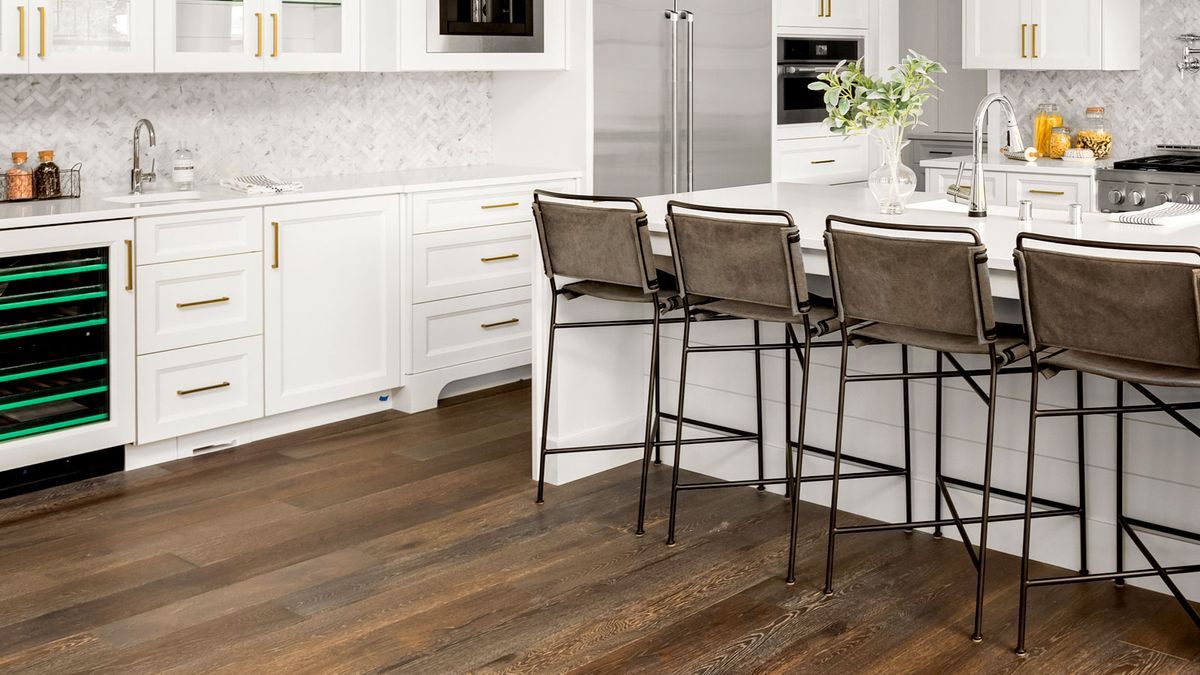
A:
471,328
938,181
468,261
257,35
77,36
824,13
332,301
1050,191
194,302
826,160
1052,34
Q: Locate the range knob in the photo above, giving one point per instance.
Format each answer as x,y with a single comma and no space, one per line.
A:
1164,197
1187,198
1136,198
1116,197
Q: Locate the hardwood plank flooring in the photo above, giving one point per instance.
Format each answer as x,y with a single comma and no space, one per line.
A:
399,543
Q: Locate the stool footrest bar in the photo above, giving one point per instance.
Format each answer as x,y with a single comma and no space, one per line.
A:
945,522
1112,576
731,483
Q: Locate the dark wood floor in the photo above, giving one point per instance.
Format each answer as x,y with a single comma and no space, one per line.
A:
412,543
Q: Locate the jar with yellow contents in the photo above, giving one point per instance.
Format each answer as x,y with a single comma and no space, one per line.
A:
1059,142
1045,119
1095,134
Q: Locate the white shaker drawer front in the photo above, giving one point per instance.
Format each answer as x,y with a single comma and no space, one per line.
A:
458,209
938,181
463,262
198,301
198,235
460,330
189,390
822,161
1050,191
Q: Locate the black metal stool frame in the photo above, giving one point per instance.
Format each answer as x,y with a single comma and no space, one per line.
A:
1125,526
942,492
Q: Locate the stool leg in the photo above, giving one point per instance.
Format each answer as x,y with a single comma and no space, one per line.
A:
546,394
1029,462
908,478
687,333
937,449
791,571
1080,431
787,411
651,422
977,636
837,465
658,402
758,401
1120,483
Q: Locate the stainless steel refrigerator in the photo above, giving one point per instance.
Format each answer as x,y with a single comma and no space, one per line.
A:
682,95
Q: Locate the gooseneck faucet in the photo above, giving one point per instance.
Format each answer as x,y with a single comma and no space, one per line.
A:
1016,146
136,177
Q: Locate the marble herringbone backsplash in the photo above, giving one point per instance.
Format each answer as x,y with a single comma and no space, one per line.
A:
288,124
1147,107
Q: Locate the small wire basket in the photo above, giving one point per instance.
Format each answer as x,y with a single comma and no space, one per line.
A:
26,188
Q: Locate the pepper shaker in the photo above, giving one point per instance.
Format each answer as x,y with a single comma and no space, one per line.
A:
1025,213
1075,212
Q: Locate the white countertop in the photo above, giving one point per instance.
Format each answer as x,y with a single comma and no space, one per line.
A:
809,206
1055,167
94,207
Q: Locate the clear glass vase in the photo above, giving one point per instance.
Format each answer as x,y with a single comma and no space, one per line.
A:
893,182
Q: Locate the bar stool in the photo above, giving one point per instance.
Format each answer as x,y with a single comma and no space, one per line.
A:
603,244
1132,321
747,264
925,287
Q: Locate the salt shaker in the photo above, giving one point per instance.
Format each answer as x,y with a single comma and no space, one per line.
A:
1025,213
1075,212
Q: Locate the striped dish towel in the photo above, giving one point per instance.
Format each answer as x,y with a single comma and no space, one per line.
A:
1171,213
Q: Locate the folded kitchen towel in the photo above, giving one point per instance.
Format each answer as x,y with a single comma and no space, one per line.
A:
1171,213
261,184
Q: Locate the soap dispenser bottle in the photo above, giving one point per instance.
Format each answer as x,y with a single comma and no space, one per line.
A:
183,168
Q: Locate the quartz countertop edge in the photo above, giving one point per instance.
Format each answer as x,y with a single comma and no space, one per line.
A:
89,208
1055,167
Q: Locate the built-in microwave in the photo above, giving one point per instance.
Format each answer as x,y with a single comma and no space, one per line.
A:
801,59
486,26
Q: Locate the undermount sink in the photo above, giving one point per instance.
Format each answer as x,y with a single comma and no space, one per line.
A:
947,206
156,197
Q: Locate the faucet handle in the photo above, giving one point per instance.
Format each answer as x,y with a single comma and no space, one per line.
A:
149,176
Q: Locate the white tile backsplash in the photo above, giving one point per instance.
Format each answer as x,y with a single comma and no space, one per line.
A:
287,124
1147,107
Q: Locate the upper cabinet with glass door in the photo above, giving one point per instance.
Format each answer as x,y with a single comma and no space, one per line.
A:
255,35
77,36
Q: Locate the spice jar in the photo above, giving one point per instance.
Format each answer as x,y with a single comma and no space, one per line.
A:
20,178
46,181
1045,120
1060,143
1095,134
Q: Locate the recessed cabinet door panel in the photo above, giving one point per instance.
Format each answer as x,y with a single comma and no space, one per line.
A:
307,35
997,34
91,36
14,36
211,35
332,310
1066,34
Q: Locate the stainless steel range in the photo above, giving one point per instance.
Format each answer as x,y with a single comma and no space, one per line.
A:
1135,184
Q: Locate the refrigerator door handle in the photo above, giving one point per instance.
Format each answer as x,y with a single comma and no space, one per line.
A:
673,16
691,97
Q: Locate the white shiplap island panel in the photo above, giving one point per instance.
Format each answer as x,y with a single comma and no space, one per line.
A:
600,379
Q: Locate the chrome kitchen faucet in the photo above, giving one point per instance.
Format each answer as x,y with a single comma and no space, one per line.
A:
137,177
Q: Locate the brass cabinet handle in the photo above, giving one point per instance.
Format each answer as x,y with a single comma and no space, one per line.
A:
197,390
510,322
275,35
201,303
1056,193
828,8
21,23
42,30
497,258
507,205
823,161
129,264
275,234
259,53
1035,27
821,12
1024,51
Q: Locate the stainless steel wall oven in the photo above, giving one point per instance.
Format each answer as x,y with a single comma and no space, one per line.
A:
801,59
472,26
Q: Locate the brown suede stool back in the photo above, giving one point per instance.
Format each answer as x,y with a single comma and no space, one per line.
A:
936,285
1132,309
741,260
595,243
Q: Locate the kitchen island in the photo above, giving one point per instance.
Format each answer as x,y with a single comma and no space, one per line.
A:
598,395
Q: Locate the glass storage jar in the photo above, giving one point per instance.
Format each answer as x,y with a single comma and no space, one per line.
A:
1095,135
1045,120
1060,142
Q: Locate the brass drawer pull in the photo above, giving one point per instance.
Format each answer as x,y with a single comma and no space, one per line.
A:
823,161
510,256
1056,193
21,22
1035,54
200,303
129,264
258,54
275,36
509,205
275,234
1024,51
42,30
198,390
510,322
